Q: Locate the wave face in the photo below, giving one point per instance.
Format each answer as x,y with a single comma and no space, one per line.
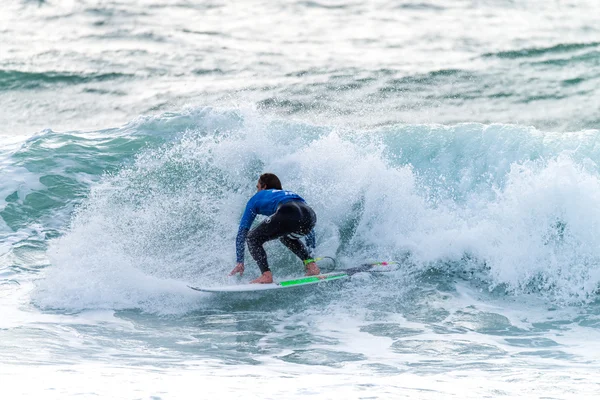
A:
512,207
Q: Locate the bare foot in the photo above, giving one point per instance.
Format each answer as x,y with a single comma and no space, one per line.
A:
266,277
312,269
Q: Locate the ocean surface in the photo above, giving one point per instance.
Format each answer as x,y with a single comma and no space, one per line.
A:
459,137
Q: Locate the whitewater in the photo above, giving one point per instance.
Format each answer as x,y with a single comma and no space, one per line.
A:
458,138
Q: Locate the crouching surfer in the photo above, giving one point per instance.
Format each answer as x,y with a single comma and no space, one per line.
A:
289,218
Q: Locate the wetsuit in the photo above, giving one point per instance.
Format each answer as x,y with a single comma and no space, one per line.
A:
290,218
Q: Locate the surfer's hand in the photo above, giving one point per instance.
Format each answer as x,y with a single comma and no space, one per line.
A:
238,268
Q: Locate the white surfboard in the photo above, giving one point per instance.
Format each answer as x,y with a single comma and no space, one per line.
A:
301,281
285,284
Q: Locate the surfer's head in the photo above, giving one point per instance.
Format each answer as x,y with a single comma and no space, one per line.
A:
268,181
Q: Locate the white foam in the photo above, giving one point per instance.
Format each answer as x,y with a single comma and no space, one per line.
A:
173,214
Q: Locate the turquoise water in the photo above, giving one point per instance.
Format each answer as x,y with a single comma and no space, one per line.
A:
459,137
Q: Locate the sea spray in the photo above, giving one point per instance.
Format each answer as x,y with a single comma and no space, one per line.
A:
525,219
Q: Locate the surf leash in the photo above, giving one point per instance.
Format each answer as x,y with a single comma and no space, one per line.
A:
377,266
372,267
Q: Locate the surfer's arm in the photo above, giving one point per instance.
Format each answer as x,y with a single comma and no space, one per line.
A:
240,244
311,242
245,224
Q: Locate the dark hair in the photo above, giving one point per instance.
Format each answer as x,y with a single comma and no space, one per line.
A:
271,180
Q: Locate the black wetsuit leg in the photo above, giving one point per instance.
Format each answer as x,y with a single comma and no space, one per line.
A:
291,221
296,246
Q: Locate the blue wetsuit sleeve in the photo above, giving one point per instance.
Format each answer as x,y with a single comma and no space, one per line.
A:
249,214
311,242
240,244
245,224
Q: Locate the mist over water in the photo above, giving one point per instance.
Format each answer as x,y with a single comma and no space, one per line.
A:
458,138
89,65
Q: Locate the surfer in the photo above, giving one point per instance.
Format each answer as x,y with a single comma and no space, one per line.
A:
289,219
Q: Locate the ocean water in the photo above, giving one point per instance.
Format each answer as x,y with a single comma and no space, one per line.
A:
460,138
